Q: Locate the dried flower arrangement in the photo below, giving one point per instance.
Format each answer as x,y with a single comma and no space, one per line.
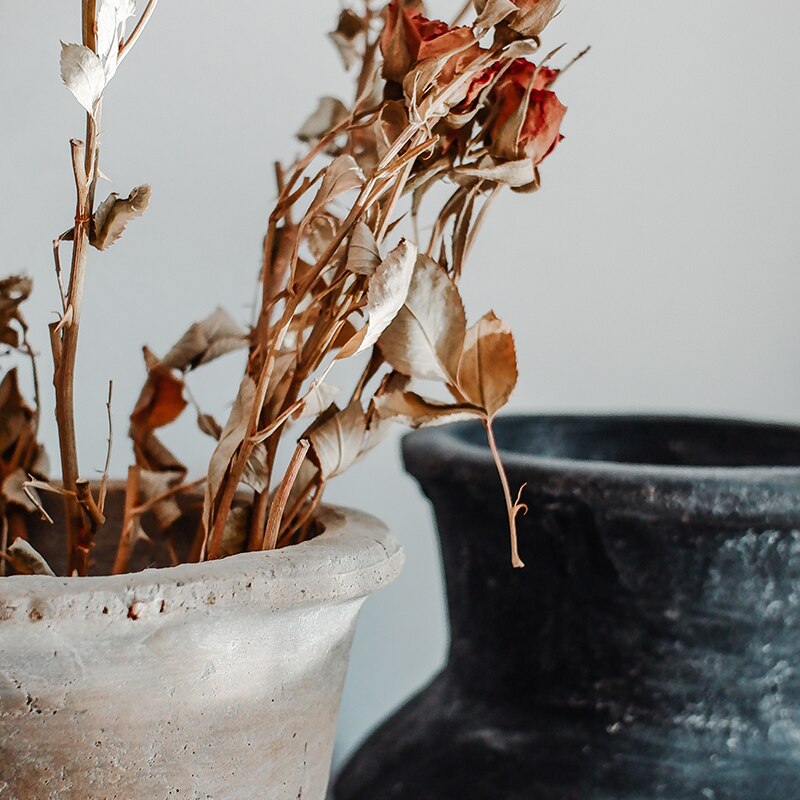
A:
435,104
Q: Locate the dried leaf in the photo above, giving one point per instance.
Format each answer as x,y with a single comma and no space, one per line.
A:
111,16
487,371
386,294
350,29
491,12
415,411
342,175
161,400
209,426
319,397
534,16
256,475
152,454
14,290
13,491
204,341
83,74
234,535
363,256
426,337
26,560
151,485
114,214
232,436
15,416
337,439
512,173
329,113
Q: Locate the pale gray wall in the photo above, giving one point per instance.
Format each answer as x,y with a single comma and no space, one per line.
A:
656,270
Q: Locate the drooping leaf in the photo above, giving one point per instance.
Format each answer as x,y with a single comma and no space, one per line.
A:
350,29
83,74
342,175
515,174
161,400
15,415
114,214
206,340
363,256
26,560
337,439
319,397
425,338
14,290
387,292
487,371
209,426
232,437
329,112
415,411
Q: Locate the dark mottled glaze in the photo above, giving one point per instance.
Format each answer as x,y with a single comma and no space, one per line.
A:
649,650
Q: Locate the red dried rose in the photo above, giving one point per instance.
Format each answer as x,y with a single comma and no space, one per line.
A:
408,38
528,118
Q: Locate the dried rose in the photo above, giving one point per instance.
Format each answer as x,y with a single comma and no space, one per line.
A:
408,38
528,119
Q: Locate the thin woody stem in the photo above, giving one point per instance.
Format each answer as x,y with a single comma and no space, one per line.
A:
512,506
282,495
126,46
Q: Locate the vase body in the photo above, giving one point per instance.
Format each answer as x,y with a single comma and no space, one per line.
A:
649,650
217,680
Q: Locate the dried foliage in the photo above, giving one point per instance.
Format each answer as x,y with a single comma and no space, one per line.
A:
436,105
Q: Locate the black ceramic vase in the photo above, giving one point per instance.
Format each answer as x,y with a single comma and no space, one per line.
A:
650,649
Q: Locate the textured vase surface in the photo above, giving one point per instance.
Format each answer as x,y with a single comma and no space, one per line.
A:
212,681
650,648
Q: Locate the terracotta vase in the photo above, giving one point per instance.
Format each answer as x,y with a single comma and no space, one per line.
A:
650,650
216,680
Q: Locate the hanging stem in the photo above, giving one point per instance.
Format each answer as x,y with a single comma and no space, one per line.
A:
513,506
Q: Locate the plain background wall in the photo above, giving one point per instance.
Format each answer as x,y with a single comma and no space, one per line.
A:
656,270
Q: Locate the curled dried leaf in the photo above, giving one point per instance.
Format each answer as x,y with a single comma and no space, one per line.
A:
328,114
114,214
363,256
337,439
416,411
386,294
26,560
206,340
161,400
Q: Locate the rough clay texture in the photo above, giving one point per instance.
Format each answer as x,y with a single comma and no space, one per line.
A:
649,651
217,681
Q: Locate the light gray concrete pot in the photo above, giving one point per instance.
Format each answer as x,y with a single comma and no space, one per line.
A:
214,681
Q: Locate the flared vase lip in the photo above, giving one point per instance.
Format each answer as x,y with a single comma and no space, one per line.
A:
758,489
353,557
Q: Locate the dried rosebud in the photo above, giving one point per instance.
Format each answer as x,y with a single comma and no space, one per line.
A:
408,38
531,18
528,116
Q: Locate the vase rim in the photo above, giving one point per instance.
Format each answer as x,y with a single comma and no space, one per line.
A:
464,441
354,556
